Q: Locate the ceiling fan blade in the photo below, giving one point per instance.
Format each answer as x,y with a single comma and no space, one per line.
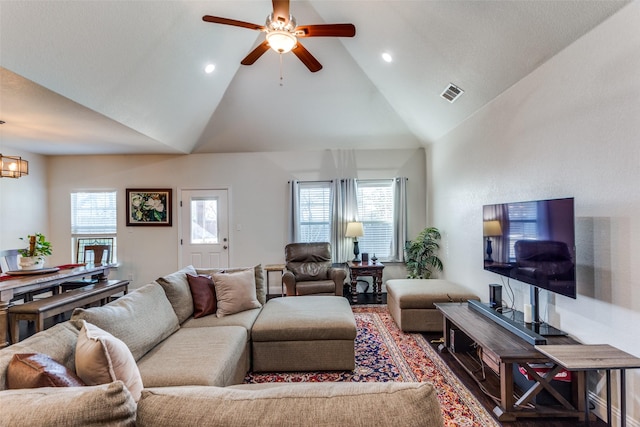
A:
281,10
326,30
234,22
307,59
255,53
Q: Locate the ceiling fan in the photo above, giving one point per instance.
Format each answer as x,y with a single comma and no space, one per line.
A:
283,33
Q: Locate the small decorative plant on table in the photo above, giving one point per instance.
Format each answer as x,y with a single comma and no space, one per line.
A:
32,258
421,258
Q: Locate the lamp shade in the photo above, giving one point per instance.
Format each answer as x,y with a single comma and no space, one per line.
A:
354,229
492,228
281,41
13,167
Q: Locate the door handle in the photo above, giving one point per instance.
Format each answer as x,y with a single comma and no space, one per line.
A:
224,247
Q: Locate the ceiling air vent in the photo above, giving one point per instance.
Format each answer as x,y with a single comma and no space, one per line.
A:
452,92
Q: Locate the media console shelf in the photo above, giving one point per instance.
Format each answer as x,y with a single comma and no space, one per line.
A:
503,349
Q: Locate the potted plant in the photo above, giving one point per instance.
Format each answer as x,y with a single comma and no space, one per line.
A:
421,258
32,258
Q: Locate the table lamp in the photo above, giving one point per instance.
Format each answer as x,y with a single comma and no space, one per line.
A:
355,230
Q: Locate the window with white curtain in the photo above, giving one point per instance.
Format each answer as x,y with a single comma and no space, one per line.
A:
380,204
93,219
314,211
375,211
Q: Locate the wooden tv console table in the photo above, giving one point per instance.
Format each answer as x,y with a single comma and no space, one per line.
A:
502,349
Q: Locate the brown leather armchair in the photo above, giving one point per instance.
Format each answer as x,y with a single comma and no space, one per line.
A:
309,271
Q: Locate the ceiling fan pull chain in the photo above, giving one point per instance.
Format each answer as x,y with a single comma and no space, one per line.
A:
281,78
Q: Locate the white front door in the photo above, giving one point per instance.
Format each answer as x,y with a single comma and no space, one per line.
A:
204,234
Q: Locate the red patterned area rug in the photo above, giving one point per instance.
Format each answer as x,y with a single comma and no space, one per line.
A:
385,353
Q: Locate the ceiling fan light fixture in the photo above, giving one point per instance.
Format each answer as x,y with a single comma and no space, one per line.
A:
281,41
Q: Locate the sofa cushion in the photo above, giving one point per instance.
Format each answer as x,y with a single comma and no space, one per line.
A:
59,343
300,404
261,293
204,295
305,318
101,358
235,292
246,319
425,293
178,293
197,356
33,370
107,404
141,319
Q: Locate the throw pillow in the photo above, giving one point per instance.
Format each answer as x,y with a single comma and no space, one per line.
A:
235,292
261,292
176,287
33,370
204,295
102,358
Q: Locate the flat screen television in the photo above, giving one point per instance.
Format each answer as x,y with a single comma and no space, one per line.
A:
532,242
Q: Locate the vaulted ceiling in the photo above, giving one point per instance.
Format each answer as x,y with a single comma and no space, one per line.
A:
120,77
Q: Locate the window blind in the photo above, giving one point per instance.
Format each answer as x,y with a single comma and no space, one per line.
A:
315,211
93,212
375,211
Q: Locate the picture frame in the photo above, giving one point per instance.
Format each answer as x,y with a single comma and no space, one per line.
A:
149,207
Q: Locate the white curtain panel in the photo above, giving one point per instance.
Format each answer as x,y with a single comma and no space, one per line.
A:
294,214
344,209
399,219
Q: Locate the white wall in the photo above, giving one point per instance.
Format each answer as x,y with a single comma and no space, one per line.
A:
570,129
23,202
257,184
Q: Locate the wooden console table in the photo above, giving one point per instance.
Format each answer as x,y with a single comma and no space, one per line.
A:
374,270
20,284
506,349
591,358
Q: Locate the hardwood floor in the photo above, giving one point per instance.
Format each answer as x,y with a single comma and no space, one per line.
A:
477,391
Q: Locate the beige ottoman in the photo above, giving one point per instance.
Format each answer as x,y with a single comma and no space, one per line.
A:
411,302
304,333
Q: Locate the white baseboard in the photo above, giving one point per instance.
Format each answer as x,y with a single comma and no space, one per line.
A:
601,410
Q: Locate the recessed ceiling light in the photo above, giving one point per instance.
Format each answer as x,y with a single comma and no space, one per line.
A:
209,68
386,57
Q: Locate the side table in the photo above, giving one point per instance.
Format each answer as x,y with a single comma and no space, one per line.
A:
592,358
366,269
275,267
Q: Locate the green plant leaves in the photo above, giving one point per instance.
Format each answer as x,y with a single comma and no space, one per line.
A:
421,258
41,247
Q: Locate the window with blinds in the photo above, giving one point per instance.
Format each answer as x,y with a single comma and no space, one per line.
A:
93,217
315,211
375,211
523,224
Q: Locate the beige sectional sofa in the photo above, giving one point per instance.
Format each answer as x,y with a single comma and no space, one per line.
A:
192,371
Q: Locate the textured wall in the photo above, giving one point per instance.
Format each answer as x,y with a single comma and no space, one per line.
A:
570,129
23,201
257,184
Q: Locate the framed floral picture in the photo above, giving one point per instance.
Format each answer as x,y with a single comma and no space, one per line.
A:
149,207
